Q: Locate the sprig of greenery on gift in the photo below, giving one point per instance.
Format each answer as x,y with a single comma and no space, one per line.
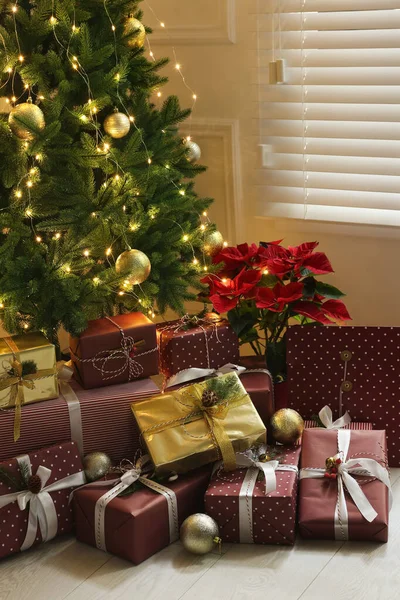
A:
264,288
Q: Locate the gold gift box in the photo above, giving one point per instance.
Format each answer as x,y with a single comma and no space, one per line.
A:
182,434
18,387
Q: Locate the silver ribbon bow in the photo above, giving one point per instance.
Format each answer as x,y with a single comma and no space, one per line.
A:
193,373
326,418
42,511
364,467
128,477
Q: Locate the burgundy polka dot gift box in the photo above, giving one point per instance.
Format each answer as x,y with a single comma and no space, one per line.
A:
34,496
354,369
205,343
254,507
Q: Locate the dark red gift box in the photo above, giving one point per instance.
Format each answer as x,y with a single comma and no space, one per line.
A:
354,369
96,419
115,350
137,525
210,344
272,517
319,497
63,461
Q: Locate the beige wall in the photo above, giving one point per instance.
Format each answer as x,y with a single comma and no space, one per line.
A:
216,43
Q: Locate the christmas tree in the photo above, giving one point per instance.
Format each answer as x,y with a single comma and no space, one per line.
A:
98,210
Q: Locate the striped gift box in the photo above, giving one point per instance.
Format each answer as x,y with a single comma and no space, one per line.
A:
308,424
106,416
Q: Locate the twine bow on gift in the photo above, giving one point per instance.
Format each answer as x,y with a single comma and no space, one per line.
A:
18,382
42,511
130,474
342,472
127,352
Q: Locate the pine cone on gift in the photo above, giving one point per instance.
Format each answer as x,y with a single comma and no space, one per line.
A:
209,398
34,484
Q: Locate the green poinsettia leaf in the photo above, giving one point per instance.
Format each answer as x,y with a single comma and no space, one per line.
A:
329,291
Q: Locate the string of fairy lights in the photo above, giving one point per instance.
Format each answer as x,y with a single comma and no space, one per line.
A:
88,115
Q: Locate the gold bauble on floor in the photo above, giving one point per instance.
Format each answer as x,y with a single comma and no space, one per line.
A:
134,28
135,265
213,243
117,125
25,114
199,534
286,426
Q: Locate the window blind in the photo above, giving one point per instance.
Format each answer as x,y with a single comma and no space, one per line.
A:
330,134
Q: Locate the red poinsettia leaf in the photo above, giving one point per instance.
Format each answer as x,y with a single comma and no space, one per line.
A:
336,310
288,293
303,249
317,263
265,298
223,304
310,310
236,257
275,243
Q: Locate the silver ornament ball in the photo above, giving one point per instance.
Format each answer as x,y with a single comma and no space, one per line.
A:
193,151
199,534
96,465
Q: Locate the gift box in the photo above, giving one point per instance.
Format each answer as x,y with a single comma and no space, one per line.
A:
257,504
95,419
354,369
34,496
344,485
257,383
206,343
27,373
198,424
115,350
138,525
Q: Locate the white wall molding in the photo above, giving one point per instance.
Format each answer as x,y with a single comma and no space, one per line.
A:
229,132
222,30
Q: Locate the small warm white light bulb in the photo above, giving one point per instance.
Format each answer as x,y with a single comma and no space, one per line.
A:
159,94
75,66
108,251
224,280
225,244
194,96
14,9
121,293
106,147
13,99
182,192
68,269
9,70
188,138
177,66
195,261
21,58
152,217
18,193
205,213
185,237
265,272
38,157
86,253
53,20
26,326
132,119
29,184
162,24
74,28
41,97
1,305
96,280
205,268
27,86
38,238
32,171
113,27
57,236
83,118
202,227
28,212
149,161
117,177
7,100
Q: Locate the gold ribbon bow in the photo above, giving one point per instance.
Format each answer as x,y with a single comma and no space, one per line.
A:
18,383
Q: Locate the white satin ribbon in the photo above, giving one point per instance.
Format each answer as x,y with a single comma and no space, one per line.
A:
325,415
364,467
188,375
122,483
42,511
65,374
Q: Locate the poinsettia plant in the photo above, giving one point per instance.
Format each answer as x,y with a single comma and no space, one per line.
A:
263,287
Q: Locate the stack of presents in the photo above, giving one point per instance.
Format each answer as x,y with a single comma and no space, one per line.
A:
198,440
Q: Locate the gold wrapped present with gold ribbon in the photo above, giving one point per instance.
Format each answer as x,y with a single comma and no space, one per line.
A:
198,424
28,373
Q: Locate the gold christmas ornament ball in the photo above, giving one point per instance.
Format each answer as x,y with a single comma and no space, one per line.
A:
117,125
213,243
133,27
193,151
199,534
96,465
23,117
135,265
286,426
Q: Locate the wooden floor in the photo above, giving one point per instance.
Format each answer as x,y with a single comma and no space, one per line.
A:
311,570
